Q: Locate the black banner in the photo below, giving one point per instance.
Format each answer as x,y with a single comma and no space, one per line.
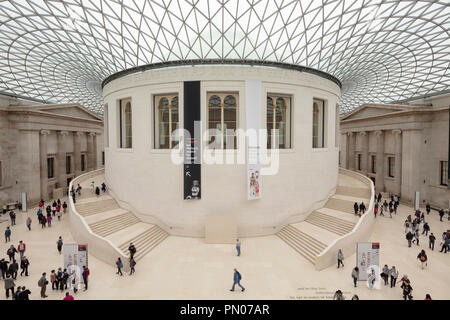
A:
192,141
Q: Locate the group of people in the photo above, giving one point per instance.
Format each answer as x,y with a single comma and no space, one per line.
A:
390,206
360,209
56,209
64,279
94,189
119,264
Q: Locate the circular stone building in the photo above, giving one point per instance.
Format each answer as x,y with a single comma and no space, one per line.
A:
148,161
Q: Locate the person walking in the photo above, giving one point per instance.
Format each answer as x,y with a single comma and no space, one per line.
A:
9,286
4,268
12,215
58,212
24,263
416,236
441,214
7,234
92,185
428,208
407,290
103,187
362,208
379,197
426,228
423,258
119,265
375,210
432,239
13,267
238,247
394,275
356,208
64,206
355,275
54,204
409,237
43,284
85,274
385,205
132,250
132,265
406,225
237,280
59,244
28,222
385,274
11,253
21,248
340,258
445,243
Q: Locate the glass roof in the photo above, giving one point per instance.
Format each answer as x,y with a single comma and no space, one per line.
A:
382,51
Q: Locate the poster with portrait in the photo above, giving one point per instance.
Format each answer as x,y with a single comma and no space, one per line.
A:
254,182
75,254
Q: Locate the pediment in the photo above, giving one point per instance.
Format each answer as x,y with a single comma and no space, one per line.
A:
72,111
371,111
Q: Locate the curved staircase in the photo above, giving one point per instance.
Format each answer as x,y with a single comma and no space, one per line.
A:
323,226
104,217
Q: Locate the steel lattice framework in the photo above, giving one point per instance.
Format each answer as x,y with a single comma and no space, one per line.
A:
381,50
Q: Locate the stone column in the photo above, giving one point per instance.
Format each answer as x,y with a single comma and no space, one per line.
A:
61,159
94,139
43,163
351,151
77,152
398,161
90,150
365,152
379,180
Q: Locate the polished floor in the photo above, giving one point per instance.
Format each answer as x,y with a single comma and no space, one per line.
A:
186,268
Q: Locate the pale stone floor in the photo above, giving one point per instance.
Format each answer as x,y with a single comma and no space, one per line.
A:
186,268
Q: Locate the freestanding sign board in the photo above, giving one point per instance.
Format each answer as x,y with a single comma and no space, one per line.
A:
192,142
367,255
75,254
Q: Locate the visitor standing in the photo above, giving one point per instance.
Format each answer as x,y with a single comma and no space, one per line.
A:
7,234
407,291
92,187
237,280
385,274
21,248
12,215
9,285
132,265
432,239
409,237
3,268
428,208
355,275
340,258
238,247
53,280
43,284
441,214
375,210
68,297
132,250
85,274
97,191
11,253
64,206
362,208
13,267
49,221
426,228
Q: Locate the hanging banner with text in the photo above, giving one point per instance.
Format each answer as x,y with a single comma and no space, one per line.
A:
253,106
367,255
192,141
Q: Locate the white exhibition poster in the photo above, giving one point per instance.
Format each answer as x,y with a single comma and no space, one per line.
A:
75,255
253,103
368,256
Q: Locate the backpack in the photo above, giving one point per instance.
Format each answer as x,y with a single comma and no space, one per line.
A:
422,258
40,282
239,276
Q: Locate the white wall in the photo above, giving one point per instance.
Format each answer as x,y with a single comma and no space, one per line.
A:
147,179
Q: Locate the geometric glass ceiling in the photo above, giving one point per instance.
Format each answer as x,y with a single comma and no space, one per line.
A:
381,51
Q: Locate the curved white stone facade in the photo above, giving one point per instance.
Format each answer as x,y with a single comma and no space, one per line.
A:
146,180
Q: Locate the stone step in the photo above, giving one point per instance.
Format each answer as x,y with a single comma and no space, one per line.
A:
340,205
104,215
96,207
111,225
332,228
300,248
354,192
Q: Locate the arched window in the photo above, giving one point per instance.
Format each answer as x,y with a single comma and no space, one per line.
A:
166,119
318,134
125,122
278,122
222,120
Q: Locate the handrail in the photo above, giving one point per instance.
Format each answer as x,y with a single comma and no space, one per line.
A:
359,232
75,213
